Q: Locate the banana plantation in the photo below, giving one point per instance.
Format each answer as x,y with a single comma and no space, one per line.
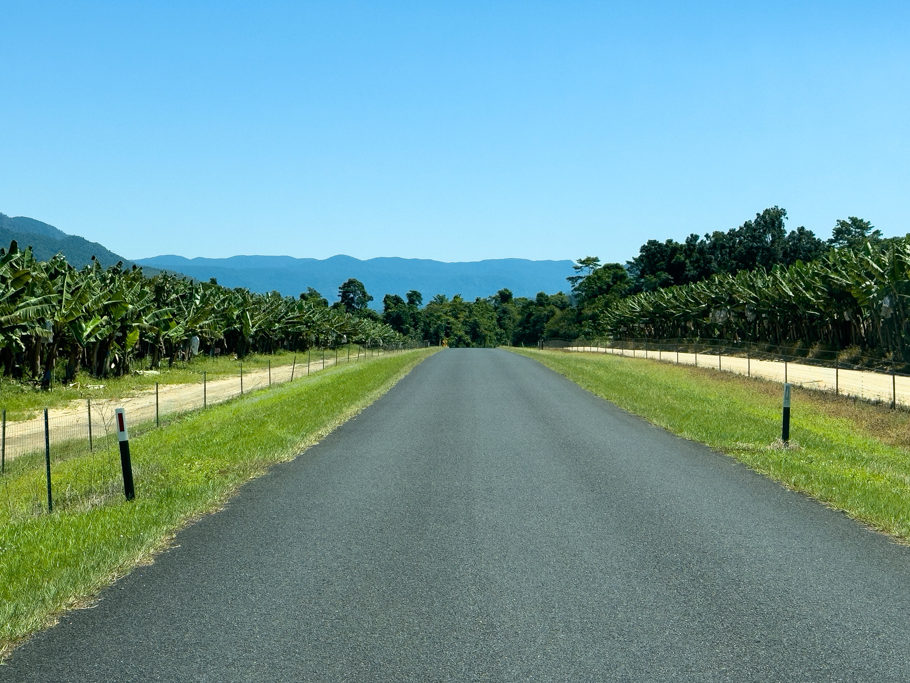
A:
55,319
850,297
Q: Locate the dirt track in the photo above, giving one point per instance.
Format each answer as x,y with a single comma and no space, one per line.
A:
874,386
72,421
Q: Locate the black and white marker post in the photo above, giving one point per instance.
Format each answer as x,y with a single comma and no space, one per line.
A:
124,440
785,427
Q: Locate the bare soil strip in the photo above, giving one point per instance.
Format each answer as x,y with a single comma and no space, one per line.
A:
873,386
72,421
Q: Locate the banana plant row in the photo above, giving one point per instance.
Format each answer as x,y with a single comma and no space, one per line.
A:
849,297
105,319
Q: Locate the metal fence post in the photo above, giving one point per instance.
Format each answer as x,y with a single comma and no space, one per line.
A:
836,376
270,372
893,388
3,445
205,390
241,378
293,367
157,420
90,444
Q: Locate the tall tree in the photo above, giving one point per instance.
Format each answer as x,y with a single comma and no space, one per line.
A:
353,296
854,232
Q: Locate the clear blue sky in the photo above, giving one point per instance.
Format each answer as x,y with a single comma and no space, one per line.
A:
455,131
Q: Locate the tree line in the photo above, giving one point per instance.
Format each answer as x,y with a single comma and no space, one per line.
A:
57,319
756,282
610,298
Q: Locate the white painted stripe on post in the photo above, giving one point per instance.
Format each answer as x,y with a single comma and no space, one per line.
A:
121,426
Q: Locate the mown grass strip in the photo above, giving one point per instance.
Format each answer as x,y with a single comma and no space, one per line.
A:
851,455
53,562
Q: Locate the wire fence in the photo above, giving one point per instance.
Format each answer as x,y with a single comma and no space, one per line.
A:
83,433
843,372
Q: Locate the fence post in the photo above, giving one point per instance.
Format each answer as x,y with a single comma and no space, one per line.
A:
205,390
157,420
837,376
270,372
893,388
785,371
47,461
308,362
90,444
293,367
748,364
3,445
241,378
323,358
336,355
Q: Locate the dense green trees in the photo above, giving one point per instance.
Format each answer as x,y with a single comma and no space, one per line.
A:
759,243
106,320
754,282
852,296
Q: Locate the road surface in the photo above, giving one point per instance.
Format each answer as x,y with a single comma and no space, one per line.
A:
489,520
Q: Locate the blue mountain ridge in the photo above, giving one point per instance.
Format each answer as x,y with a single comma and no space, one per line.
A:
385,275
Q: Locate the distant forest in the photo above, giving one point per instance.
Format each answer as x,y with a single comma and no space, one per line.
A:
609,299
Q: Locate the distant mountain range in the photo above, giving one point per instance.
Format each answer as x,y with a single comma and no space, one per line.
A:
46,241
380,276
291,276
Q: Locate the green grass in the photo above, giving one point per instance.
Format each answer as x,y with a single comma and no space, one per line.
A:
53,562
25,399
851,455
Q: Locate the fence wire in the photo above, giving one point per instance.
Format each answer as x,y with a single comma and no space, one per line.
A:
82,436
771,363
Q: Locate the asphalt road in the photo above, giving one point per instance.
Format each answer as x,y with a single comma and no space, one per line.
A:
488,520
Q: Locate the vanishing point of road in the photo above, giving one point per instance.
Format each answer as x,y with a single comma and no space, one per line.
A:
489,520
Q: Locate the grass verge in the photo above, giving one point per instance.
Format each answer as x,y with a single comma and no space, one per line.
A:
850,455
53,562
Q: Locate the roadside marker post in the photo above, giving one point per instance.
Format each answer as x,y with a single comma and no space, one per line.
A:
47,461
125,463
785,425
